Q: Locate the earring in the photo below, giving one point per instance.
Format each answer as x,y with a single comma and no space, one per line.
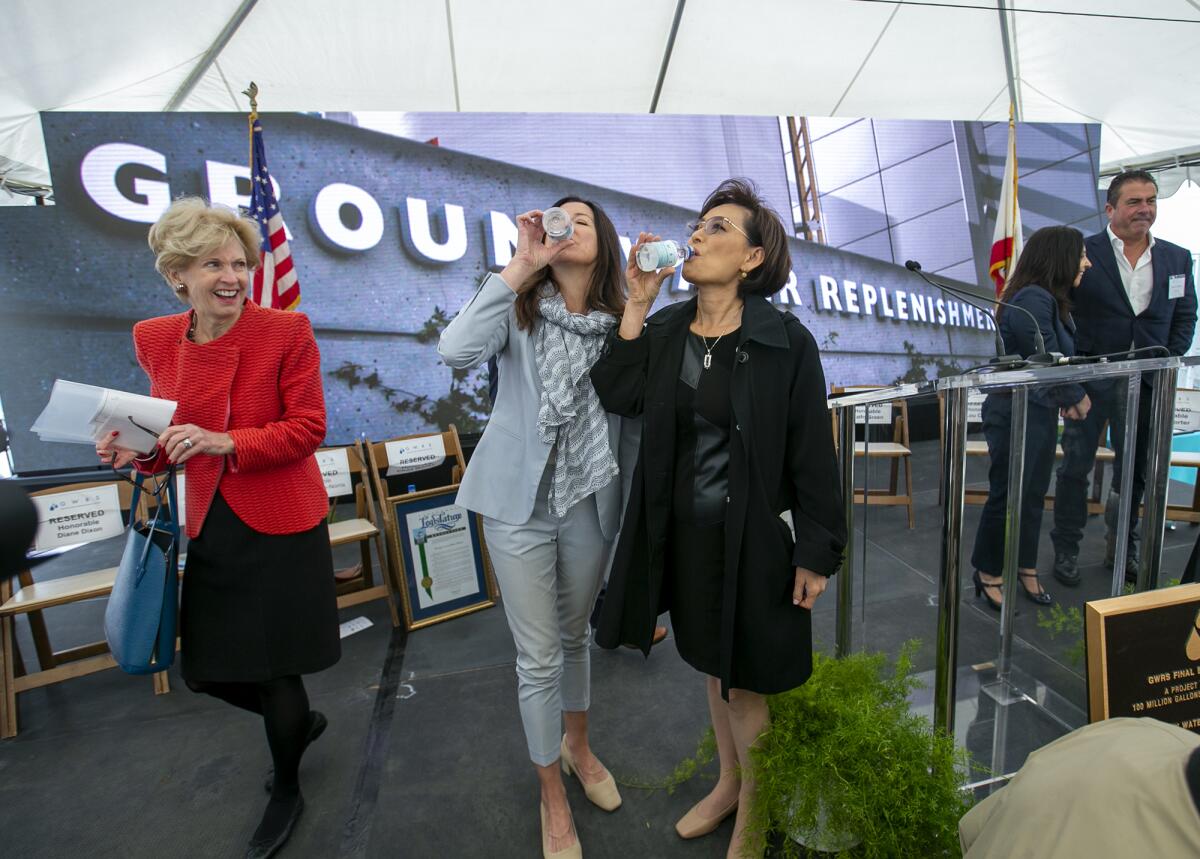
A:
180,288
741,275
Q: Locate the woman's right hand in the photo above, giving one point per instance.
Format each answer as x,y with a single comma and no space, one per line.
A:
643,289
110,452
1079,411
533,253
644,285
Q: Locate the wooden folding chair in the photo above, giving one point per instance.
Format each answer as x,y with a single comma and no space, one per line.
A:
31,598
363,529
897,450
388,487
1187,411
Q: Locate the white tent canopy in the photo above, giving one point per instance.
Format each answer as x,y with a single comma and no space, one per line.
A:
1131,67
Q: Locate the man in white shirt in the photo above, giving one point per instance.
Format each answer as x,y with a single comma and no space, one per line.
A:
1139,293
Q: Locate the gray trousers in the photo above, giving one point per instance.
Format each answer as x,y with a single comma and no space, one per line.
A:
549,571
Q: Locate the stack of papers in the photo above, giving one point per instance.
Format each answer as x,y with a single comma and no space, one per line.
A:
85,414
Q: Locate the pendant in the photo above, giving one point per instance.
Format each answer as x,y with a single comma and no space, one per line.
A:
707,360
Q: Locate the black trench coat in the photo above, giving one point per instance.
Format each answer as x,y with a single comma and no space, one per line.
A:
781,458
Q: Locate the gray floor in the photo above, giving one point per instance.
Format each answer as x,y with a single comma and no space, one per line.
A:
424,756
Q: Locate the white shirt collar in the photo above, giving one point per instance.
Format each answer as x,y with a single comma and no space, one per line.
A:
1119,245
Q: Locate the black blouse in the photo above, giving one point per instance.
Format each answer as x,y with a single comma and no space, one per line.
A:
703,417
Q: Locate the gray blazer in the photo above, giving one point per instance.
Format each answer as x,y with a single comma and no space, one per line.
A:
502,480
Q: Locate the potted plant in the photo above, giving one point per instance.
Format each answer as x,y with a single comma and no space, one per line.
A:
846,767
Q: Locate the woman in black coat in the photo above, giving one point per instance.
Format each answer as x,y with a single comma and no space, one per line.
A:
735,432
1050,266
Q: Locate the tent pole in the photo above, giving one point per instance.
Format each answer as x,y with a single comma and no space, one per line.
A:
453,58
666,61
1014,93
210,56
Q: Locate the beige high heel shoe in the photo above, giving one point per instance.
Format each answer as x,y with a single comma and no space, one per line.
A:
572,852
694,824
603,793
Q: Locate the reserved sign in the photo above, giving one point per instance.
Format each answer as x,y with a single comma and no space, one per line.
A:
875,414
975,398
415,454
77,516
1143,655
335,471
1187,411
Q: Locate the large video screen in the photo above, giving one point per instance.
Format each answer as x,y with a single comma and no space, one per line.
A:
395,219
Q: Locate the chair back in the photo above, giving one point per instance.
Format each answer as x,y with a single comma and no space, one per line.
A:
892,415
353,477
391,482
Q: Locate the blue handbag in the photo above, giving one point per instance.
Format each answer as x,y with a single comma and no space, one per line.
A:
143,610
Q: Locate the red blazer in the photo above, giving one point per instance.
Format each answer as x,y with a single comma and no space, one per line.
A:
261,383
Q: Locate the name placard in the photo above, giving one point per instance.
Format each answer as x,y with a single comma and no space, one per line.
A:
1187,411
335,471
1143,655
77,516
975,398
875,415
415,454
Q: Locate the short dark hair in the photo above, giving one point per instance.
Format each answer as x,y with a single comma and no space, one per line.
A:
606,290
1114,187
765,230
1050,259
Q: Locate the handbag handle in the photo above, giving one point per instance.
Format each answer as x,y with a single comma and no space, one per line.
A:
171,523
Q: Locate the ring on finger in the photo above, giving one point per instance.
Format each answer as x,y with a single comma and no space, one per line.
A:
187,444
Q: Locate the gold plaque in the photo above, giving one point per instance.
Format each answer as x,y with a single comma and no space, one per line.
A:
1143,656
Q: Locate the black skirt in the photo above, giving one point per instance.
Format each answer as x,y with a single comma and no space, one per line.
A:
257,606
696,576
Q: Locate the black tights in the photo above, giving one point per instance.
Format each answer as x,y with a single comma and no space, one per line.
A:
283,704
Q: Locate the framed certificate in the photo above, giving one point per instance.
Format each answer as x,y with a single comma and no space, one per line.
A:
445,571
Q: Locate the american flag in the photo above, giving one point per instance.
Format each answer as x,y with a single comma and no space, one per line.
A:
275,282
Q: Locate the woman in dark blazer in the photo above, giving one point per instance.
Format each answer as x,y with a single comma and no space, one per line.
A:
735,433
259,607
1050,266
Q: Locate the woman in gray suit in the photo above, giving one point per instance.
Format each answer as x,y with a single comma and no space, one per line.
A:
544,478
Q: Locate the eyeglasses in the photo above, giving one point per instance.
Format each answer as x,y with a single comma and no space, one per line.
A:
716,224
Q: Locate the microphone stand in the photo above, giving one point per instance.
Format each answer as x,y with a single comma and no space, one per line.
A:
1039,357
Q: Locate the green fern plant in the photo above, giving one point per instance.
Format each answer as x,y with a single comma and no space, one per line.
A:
845,754
1058,621
685,770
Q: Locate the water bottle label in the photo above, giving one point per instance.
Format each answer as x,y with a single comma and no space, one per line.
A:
656,255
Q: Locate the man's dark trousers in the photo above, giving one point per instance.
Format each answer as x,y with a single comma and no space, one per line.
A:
1079,441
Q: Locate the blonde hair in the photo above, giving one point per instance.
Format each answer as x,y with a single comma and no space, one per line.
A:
192,227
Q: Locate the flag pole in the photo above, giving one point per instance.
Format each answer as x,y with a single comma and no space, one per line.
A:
1012,215
251,92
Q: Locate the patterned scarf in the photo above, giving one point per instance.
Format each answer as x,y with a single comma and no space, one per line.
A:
570,417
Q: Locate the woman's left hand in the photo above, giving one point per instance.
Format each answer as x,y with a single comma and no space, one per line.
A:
184,441
808,587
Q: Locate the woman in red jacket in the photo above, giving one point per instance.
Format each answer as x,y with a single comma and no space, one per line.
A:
259,607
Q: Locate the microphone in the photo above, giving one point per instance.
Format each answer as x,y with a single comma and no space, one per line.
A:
1039,357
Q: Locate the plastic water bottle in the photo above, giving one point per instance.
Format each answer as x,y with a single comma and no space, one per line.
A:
655,255
557,223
